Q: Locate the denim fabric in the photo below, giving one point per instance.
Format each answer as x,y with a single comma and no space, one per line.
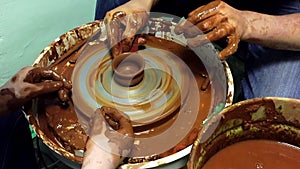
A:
16,146
271,72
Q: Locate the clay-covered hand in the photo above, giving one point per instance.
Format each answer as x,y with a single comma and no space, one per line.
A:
28,83
110,139
123,24
217,20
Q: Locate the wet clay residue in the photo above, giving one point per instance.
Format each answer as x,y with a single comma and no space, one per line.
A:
256,154
261,118
60,122
200,75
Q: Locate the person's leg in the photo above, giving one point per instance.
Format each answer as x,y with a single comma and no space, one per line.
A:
104,6
272,73
16,144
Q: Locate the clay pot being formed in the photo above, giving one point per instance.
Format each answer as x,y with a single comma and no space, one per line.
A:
128,68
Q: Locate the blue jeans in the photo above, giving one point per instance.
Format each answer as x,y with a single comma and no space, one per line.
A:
16,146
271,72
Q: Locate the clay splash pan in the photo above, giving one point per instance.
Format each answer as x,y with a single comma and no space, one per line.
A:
167,107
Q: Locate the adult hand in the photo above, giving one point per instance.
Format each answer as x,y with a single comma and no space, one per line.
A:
217,20
110,139
30,82
123,24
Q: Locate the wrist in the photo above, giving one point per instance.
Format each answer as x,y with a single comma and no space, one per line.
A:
148,4
246,25
154,2
256,26
6,98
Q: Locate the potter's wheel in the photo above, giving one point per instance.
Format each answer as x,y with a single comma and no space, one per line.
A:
162,90
175,127
156,105
166,107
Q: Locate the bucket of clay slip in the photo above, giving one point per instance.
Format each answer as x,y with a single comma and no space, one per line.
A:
255,133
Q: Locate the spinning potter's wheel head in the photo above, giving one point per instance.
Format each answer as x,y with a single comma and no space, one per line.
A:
165,104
